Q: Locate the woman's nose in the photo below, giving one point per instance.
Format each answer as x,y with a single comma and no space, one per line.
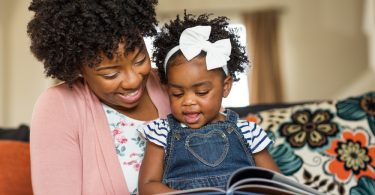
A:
130,80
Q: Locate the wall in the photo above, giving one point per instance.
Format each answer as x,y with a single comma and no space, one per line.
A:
22,78
323,48
2,101
369,29
366,80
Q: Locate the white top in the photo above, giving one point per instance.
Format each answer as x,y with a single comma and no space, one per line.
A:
157,132
129,144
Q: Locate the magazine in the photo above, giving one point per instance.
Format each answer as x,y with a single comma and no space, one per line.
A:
255,180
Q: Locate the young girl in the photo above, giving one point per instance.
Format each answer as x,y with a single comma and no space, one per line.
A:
198,145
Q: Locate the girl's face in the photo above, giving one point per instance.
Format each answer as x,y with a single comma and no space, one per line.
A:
120,82
196,93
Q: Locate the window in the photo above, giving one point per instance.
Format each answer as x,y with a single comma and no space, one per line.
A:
239,95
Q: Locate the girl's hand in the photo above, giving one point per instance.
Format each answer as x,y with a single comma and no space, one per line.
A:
151,171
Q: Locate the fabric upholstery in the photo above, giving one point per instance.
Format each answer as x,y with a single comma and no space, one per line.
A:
327,145
15,175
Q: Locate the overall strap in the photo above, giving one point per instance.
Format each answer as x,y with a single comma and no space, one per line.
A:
173,123
231,116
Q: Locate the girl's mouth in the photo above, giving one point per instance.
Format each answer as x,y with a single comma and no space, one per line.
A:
191,118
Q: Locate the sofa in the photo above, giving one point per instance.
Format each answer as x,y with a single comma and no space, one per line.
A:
15,175
328,145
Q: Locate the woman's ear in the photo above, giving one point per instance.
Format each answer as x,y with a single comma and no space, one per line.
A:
228,81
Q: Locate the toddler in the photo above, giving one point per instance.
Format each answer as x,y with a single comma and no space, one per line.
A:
198,145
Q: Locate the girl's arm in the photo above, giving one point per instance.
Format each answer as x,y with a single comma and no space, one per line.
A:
151,172
264,159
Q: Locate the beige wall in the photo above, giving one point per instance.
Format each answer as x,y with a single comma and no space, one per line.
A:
325,53
22,77
369,29
324,49
2,5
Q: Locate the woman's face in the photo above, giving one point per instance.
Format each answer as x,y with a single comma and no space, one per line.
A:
120,82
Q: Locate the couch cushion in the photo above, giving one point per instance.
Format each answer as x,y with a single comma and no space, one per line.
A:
328,145
244,111
15,175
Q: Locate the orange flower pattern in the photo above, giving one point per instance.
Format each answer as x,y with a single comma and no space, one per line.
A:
351,155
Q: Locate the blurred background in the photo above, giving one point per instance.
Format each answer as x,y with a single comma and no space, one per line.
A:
300,50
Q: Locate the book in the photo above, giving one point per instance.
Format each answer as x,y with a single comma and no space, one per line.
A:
254,181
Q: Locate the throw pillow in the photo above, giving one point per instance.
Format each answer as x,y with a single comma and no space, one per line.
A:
327,145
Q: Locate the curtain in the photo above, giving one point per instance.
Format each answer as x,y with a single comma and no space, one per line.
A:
265,83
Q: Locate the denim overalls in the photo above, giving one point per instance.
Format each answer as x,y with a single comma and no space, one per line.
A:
204,157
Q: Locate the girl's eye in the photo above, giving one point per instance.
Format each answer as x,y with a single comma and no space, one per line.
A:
110,76
177,94
201,93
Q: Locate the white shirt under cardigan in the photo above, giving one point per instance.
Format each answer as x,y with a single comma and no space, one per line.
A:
129,144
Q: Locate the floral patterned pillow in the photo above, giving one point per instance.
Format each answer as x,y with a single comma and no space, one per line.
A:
328,145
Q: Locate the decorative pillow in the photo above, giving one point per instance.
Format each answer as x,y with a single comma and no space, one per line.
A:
15,175
22,133
327,145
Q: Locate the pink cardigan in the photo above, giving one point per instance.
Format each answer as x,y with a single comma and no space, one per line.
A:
72,150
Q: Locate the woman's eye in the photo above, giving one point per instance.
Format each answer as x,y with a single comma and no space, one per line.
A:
140,60
110,76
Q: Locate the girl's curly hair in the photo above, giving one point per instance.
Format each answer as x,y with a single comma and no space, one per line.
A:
170,35
68,34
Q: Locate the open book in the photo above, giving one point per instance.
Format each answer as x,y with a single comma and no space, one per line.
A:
256,180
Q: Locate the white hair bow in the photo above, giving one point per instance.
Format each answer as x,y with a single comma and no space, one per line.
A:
194,40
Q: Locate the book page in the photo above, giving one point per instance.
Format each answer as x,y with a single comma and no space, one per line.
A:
258,173
265,186
197,191
261,189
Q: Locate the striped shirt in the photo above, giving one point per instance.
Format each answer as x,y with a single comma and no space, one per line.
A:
157,132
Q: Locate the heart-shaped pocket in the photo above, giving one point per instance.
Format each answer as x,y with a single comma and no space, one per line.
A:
210,148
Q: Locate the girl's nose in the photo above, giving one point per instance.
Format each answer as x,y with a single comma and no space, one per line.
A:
189,100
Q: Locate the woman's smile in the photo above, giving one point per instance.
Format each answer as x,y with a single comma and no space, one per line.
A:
131,97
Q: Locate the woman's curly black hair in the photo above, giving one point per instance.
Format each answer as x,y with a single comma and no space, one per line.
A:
68,34
170,35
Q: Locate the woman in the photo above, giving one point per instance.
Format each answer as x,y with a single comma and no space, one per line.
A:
83,131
